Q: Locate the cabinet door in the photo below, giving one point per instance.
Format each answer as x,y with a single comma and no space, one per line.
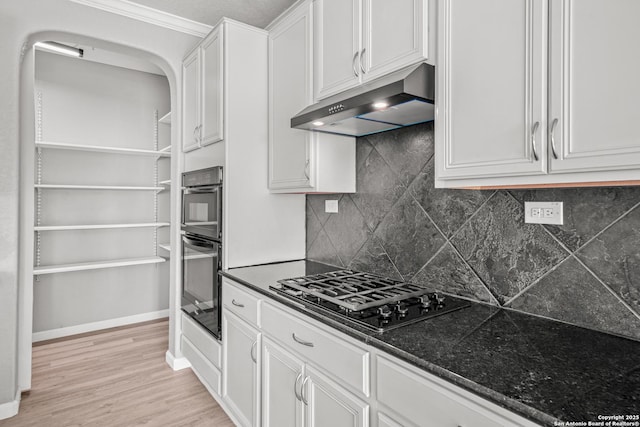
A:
290,91
212,88
594,84
337,46
491,92
328,405
240,371
190,101
394,35
282,377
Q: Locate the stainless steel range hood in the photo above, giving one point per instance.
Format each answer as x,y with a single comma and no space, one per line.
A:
402,98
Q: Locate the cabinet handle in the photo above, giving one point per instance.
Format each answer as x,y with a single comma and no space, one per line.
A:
306,169
295,387
353,65
253,348
302,393
303,342
362,60
536,125
237,304
553,140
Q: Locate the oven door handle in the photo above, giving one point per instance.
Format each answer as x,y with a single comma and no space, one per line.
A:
198,242
201,190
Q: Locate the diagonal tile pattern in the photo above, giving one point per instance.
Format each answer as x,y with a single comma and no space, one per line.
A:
475,243
507,254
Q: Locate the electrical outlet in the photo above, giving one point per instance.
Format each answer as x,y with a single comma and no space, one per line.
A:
543,213
331,206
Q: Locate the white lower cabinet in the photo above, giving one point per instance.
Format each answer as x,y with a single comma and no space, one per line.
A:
410,397
282,374
295,393
240,370
283,369
202,351
329,405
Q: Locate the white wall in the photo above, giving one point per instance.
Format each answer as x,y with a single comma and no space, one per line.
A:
21,23
86,102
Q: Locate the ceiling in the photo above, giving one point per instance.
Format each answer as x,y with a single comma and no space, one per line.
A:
258,13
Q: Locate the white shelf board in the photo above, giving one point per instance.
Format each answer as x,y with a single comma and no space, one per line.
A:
166,149
101,149
96,265
166,119
96,187
165,246
98,226
165,182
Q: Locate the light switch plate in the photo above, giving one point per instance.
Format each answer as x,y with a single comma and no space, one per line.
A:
331,206
543,213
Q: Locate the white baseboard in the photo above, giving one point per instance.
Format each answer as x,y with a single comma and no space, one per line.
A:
176,363
10,409
96,326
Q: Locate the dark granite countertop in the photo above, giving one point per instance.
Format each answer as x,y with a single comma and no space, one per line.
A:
544,370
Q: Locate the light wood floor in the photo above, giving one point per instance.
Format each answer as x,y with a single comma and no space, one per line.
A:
114,378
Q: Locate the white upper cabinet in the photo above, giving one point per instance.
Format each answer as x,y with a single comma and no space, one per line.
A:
594,85
394,34
301,161
546,94
491,94
212,88
358,40
190,101
202,85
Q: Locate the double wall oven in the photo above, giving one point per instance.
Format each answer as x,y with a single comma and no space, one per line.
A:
202,246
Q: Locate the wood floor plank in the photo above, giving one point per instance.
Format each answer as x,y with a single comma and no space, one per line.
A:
115,378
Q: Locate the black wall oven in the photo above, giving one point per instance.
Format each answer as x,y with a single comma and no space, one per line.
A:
202,246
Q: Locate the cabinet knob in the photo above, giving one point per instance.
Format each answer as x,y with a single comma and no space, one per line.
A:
303,342
302,393
295,387
362,61
252,352
353,64
553,139
536,125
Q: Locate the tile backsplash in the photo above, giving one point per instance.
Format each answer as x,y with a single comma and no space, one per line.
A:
475,243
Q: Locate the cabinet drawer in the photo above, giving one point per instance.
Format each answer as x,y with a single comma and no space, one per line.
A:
206,372
347,363
430,403
201,340
240,301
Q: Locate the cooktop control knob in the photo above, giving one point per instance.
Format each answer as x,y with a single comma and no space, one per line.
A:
402,309
439,299
425,301
384,312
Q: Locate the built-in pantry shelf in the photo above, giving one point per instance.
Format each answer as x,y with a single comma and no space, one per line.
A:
165,182
97,187
165,246
103,149
98,226
62,268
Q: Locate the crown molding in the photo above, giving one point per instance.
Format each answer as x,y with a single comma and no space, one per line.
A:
149,15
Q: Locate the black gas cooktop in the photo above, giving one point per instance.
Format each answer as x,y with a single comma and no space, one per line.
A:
368,300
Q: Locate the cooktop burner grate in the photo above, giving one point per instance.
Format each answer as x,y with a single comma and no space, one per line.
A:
352,290
367,299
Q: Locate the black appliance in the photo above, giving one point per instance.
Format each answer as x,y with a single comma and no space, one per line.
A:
202,246
367,300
